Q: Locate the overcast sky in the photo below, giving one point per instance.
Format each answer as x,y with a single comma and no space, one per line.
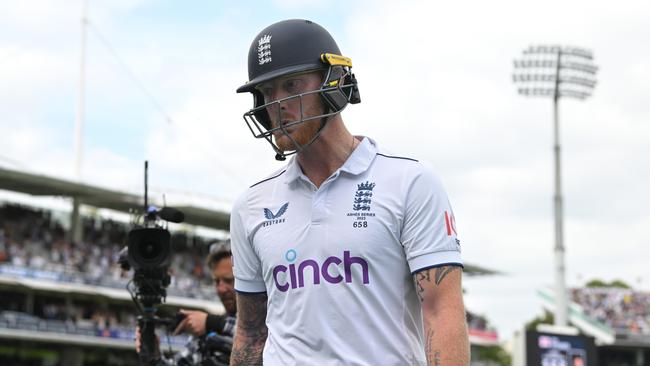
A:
435,82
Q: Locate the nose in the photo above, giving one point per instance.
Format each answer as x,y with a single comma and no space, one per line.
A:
277,110
222,286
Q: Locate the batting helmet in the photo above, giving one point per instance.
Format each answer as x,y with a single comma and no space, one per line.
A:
291,47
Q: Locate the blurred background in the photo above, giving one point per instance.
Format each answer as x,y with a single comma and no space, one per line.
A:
85,102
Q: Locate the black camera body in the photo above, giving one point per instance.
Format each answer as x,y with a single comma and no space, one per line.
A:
148,252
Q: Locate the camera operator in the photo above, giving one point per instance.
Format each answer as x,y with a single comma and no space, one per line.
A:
211,334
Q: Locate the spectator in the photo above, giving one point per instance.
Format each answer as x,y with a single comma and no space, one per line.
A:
30,238
624,310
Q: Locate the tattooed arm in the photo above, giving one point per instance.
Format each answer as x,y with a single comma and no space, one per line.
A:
445,327
251,330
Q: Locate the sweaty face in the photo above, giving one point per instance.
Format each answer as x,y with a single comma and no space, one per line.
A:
288,111
224,283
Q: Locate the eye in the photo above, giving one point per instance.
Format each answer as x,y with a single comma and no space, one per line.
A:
266,92
293,86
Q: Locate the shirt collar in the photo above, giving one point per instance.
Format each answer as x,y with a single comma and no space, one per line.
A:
358,162
293,171
360,159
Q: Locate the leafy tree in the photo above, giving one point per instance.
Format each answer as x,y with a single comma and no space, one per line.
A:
619,284
546,318
596,283
493,355
614,284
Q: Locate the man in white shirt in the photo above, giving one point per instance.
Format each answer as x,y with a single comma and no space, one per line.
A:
349,254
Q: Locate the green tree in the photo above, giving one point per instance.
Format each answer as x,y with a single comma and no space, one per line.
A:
494,354
596,283
619,284
546,318
614,284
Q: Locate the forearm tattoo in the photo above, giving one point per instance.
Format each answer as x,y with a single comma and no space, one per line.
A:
425,276
250,337
433,356
428,346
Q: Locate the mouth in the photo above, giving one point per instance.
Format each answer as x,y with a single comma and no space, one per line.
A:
286,125
287,121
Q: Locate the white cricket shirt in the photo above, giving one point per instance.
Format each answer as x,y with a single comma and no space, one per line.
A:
337,262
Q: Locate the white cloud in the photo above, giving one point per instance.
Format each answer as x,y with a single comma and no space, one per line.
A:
435,83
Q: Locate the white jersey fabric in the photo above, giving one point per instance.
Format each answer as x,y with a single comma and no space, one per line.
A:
337,262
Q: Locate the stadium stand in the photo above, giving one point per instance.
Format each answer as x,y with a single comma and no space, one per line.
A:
617,318
33,245
626,311
64,301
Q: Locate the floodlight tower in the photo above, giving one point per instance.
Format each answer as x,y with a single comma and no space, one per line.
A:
556,71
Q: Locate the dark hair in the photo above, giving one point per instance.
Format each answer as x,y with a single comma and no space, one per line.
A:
218,252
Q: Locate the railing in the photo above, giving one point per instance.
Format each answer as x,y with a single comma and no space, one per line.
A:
71,276
11,320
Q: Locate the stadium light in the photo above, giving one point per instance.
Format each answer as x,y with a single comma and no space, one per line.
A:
558,72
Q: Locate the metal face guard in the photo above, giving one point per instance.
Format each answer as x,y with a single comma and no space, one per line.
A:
259,131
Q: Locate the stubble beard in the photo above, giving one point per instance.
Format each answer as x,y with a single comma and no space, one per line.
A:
231,306
302,134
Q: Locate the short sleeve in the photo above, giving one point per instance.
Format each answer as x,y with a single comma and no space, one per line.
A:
247,267
429,228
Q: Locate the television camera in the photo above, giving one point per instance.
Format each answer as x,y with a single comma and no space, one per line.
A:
148,252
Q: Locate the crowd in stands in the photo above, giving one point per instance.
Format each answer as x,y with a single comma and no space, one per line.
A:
71,315
24,310
34,244
31,239
624,310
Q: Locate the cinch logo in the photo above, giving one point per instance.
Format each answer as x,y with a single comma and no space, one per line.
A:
296,274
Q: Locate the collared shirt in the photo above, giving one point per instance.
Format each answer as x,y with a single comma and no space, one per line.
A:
337,261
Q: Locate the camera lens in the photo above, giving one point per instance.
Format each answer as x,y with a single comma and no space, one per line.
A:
150,250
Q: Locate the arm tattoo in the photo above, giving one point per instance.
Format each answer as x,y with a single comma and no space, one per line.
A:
428,348
441,272
251,330
433,356
436,358
420,277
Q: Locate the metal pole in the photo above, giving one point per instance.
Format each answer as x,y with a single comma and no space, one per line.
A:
560,284
534,76
79,122
75,233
